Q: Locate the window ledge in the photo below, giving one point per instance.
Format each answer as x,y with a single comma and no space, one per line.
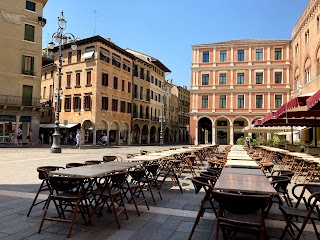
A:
77,86
68,87
76,110
88,85
29,41
87,109
67,110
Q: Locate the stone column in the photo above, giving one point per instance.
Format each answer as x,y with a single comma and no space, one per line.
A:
213,134
34,127
16,129
231,135
94,140
196,135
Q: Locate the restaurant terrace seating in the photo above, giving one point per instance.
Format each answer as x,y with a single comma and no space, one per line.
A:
92,162
203,183
241,213
68,195
44,186
134,188
310,212
111,158
151,180
110,193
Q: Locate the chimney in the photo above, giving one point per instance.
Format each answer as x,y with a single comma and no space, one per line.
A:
109,39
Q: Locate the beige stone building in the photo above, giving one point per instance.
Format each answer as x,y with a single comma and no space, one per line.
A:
183,114
21,23
148,96
95,91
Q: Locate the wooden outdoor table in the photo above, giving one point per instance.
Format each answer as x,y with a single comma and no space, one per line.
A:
239,157
122,164
144,158
81,172
241,164
244,171
243,177
244,184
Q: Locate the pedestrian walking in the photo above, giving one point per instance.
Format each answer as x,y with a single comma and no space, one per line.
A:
29,138
41,138
19,137
78,139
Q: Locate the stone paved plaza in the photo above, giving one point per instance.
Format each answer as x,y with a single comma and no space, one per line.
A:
172,217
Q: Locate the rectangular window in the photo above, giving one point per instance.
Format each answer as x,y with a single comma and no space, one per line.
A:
78,79
69,57
142,73
278,77
135,91
105,79
205,79
222,101
88,78
136,72
222,78
105,103
104,55
240,78
141,93
240,55
123,106
79,55
259,77
129,87
67,103
31,6
115,105
259,54
28,65
44,92
240,101
68,81
87,102
148,95
129,107
76,103
277,101
116,61
205,101
29,32
205,56
122,85
115,82
223,55
277,53
259,101
307,36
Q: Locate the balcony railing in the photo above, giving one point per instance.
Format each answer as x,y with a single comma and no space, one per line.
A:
8,100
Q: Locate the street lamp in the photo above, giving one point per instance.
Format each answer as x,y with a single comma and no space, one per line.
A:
162,119
61,38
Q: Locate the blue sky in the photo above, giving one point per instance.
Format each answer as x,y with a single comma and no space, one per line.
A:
166,29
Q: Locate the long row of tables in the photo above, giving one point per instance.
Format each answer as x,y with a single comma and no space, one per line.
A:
242,174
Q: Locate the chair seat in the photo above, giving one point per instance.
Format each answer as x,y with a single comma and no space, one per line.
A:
105,192
298,212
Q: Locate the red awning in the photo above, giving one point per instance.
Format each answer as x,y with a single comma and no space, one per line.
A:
313,102
257,122
293,103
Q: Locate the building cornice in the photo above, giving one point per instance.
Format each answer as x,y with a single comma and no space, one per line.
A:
304,18
244,67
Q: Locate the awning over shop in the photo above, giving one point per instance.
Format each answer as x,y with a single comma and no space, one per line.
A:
313,103
296,104
52,125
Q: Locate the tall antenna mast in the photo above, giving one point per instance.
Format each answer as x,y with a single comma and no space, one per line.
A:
95,22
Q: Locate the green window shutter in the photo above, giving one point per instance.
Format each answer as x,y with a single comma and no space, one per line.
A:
29,33
32,66
23,64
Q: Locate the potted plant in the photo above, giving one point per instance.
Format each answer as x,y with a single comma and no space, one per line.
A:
297,146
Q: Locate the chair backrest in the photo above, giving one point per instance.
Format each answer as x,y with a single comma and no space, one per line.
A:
144,152
92,162
66,184
242,204
211,176
71,165
199,183
44,170
109,158
152,169
137,175
280,182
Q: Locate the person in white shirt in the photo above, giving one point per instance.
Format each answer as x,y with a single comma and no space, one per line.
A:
104,139
78,139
